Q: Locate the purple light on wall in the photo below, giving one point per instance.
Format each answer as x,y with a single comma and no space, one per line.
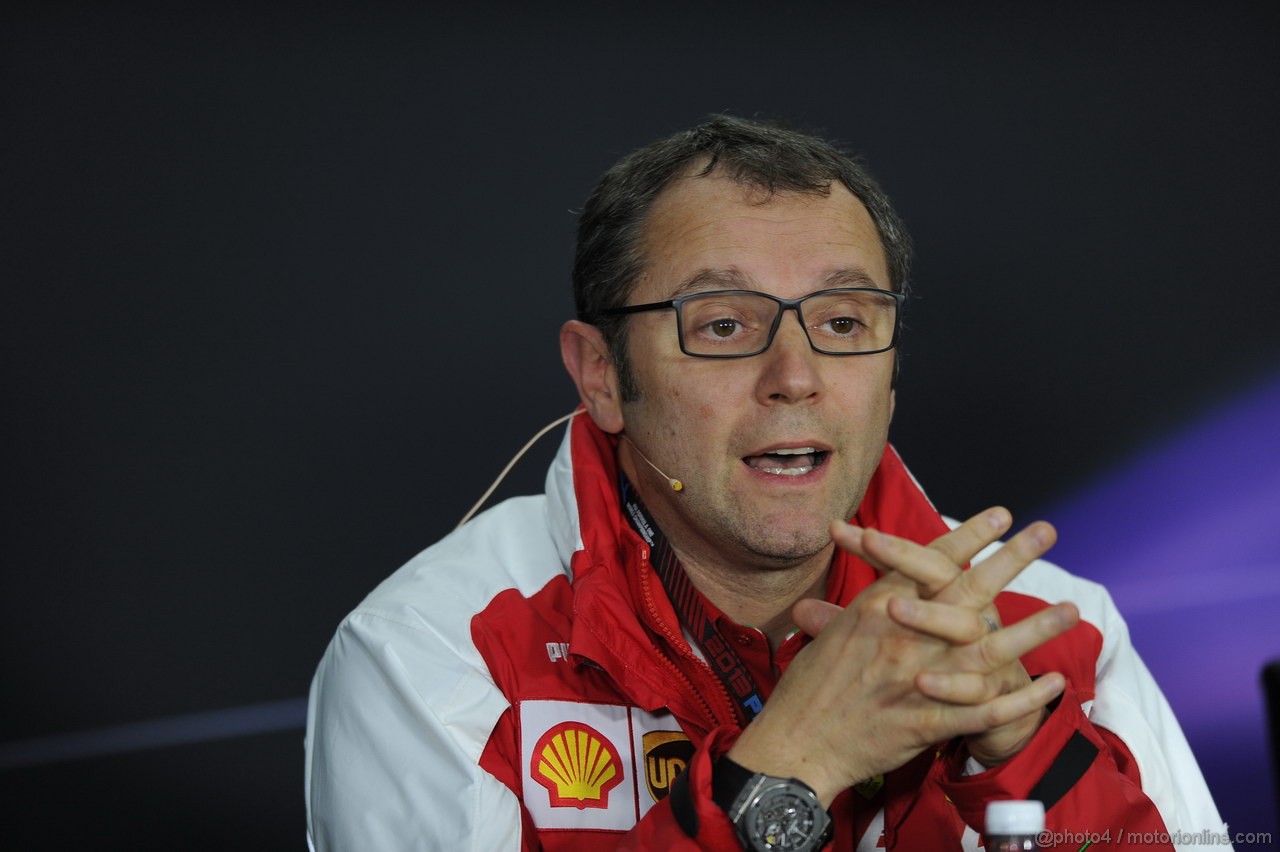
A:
1187,539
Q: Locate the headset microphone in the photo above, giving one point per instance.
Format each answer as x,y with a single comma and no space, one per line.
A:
676,485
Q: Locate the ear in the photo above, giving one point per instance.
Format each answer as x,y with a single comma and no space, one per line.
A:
586,357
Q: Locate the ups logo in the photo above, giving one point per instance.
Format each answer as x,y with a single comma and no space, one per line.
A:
666,755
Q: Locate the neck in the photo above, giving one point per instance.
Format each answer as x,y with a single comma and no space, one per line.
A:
759,597
752,589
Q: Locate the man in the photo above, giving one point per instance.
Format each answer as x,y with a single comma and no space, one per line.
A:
734,620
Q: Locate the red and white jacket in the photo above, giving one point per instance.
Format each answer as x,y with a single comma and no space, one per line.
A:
524,684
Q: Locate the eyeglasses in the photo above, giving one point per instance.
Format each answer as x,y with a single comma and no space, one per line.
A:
742,323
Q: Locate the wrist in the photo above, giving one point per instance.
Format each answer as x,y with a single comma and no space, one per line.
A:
992,751
767,810
766,762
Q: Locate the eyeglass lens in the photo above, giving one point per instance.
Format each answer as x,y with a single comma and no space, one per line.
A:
837,322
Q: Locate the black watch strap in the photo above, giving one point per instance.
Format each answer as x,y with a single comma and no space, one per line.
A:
727,780
732,785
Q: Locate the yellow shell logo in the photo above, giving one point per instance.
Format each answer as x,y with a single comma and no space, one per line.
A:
578,766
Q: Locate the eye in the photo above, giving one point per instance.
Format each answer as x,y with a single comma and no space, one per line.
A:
842,326
723,327
725,323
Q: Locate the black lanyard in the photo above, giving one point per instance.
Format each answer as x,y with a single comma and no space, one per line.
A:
718,653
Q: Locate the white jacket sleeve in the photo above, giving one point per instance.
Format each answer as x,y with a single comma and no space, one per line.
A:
1129,704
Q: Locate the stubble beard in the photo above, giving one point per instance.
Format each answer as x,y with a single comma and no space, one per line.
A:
771,540
745,529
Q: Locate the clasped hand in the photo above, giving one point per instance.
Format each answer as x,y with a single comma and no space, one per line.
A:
911,662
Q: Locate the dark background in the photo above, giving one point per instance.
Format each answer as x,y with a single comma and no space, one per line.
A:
281,289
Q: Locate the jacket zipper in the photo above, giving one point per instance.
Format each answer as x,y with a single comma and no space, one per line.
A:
678,644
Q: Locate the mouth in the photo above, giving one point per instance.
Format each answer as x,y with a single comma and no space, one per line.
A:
787,461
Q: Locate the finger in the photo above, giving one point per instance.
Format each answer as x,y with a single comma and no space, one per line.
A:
957,625
967,540
849,537
929,569
961,687
1004,709
957,687
846,536
812,615
985,580
1010,643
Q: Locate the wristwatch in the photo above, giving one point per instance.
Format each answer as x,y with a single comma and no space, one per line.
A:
770,813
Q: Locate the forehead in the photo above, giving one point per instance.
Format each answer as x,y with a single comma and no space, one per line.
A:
708,229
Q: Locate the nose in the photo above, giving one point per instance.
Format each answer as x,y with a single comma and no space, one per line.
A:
789,367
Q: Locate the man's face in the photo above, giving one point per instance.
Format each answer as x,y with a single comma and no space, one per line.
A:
717,425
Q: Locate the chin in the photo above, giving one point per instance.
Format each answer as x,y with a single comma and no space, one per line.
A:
788,549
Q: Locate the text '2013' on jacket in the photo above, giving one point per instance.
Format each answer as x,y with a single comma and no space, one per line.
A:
525,684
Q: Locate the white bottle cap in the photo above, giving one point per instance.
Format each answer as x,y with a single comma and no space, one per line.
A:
1014,817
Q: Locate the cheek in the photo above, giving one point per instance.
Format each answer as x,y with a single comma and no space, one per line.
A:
692,399
870,388
715,399
706,411
869,407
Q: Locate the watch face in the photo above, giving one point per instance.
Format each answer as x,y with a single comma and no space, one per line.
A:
785,820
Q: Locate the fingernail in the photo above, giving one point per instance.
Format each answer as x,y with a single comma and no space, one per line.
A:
996,518
906,608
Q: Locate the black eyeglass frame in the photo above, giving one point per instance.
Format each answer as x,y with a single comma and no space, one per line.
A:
784,305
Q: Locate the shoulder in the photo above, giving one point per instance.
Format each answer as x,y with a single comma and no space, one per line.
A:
414,631
403,704
408,649
435,594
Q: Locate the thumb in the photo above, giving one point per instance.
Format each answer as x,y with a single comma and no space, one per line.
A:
812,615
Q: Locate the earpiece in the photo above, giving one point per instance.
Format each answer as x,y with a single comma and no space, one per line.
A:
501,476
676,485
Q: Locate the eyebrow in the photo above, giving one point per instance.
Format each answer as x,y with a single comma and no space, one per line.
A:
850,276
713,279
735,279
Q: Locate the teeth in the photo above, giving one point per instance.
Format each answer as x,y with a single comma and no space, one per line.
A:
791,451
787,471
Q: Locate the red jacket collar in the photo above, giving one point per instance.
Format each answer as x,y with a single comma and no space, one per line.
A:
894,503
619,605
